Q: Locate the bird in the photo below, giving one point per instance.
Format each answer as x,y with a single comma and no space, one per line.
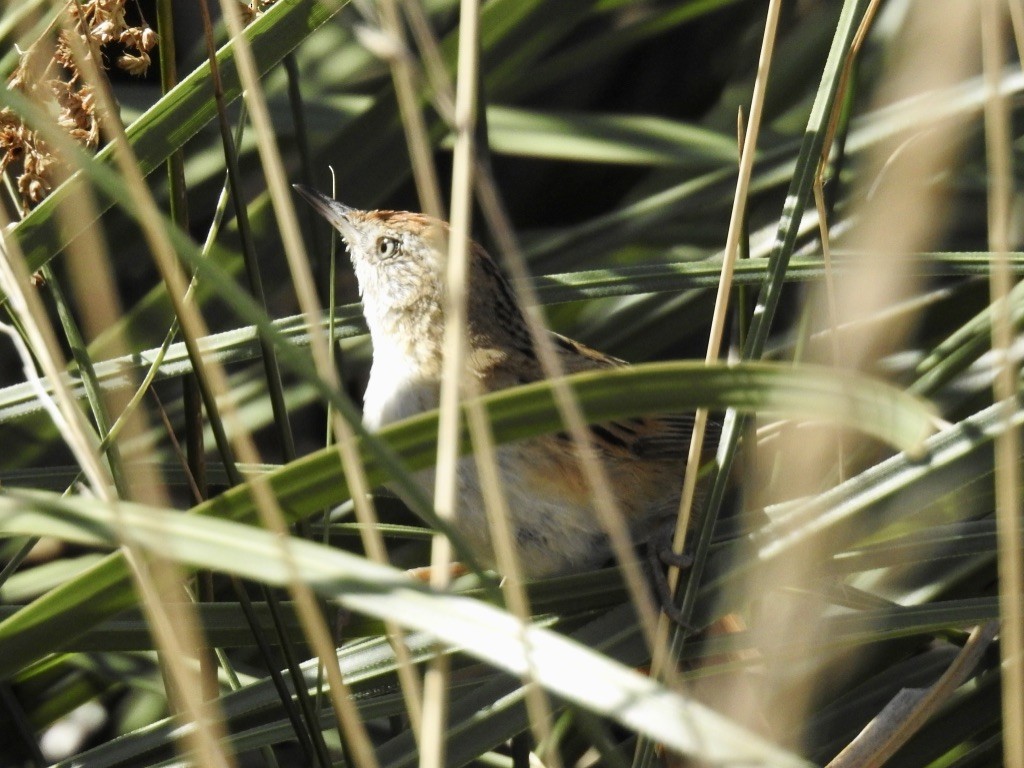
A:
399,261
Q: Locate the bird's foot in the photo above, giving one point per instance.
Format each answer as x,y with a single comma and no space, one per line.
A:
423,572
659,554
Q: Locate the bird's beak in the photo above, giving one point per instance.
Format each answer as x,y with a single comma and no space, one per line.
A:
337,214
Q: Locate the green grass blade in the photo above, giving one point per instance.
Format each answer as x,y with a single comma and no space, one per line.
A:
491,635
172,121
316,481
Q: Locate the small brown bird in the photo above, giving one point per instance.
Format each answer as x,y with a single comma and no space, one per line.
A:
399,260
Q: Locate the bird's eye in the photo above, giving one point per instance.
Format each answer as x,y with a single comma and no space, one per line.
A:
386,247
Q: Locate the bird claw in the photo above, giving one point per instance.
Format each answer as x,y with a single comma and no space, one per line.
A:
659,554
680,560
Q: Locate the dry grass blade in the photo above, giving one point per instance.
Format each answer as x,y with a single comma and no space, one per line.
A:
999,153
900,215
403,73
495,502
313,622
174,623
435,697
906,713
725,285
608,129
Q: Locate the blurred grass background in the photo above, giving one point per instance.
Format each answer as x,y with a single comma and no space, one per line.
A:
612,135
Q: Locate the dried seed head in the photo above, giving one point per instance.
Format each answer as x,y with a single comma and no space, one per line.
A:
49,73
105,32
148,39
134,65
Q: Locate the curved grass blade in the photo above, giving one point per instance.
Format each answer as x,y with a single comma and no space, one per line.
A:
604,138
316,481
564,667
891,491
242,343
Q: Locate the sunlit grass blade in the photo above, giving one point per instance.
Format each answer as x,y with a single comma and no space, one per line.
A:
566,668
317,481
869,502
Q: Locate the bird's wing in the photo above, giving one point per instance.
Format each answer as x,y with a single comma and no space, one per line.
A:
576,357
646,437
651,437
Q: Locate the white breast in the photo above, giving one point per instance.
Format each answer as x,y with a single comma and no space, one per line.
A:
395,391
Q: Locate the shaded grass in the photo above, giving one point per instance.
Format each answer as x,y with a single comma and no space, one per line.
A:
551,132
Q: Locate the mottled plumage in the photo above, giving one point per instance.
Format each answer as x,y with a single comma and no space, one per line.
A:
399,263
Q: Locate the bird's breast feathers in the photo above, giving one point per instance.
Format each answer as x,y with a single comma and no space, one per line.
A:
396,391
